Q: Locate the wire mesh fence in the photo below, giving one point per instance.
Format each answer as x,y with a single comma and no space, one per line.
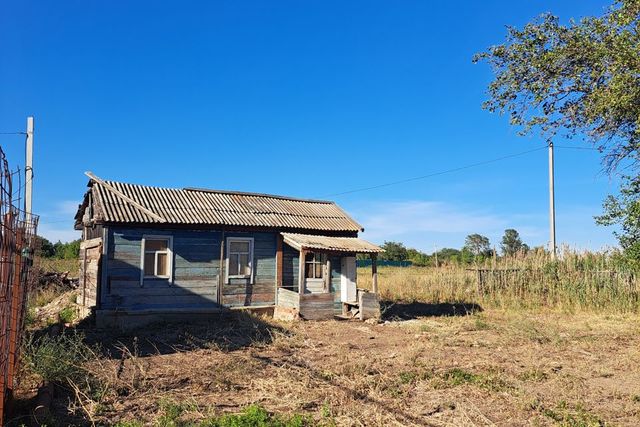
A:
17,241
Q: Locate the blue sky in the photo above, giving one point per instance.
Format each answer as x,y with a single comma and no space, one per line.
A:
305,99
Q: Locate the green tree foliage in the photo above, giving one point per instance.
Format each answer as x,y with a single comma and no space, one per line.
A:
394,251
512,243
624,211
418,258
579,79
70,250
477,244
45,247
449,255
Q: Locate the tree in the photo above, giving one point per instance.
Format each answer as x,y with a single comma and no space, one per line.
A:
45,247
512,243
418,258
448,255
577,79
394,251
625,212
477,244
580,79
68,250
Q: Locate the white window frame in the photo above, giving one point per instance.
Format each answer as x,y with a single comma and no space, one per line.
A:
169,240
319,258
228,252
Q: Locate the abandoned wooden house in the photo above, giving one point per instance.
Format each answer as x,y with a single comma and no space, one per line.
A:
150,253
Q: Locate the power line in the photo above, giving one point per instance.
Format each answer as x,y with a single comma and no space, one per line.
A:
13,133
568,147
472,165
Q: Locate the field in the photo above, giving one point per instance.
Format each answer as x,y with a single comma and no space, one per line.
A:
556,352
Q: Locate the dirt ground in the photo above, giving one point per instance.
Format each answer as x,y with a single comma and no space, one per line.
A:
489,368
424,364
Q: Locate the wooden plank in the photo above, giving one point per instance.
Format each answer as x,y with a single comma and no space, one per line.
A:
279,261
125,197
91,243
374,273
287,298
301,274
369,306
316,306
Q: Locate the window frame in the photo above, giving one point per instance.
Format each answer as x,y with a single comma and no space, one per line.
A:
319,258
169,253
250,276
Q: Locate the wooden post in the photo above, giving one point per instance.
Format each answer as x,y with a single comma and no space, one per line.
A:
279,262
327,278
221,269
374,273
301,266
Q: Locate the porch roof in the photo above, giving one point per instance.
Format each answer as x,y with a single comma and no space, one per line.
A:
330,244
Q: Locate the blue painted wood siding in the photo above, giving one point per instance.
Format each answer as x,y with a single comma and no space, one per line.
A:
240,292
336,281
196,269
290,258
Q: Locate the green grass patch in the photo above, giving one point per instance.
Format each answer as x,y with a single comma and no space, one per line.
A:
67,314
576,416
490,381
58,359
252,416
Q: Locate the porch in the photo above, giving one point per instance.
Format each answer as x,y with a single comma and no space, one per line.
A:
325,284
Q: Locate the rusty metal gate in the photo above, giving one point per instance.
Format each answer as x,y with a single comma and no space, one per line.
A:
17,240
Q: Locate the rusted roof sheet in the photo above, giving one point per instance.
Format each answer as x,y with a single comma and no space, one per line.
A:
327,243
115,202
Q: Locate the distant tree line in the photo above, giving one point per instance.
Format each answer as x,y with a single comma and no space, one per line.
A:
46,249
476,248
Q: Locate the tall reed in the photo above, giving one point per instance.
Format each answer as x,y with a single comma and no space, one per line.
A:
576,281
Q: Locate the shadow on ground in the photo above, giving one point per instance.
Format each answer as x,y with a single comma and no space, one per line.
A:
228,332
405,311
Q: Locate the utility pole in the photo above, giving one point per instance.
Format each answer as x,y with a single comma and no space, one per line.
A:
552,206
28,169
435,252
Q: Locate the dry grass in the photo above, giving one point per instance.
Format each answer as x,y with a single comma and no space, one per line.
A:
585,282
59,265
549,348
492,368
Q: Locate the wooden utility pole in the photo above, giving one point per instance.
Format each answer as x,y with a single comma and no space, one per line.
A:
435,252
28,169
552,206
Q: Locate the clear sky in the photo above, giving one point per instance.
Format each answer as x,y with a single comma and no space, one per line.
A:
301,98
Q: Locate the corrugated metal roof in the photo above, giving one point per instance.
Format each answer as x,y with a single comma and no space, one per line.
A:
327,243
118,202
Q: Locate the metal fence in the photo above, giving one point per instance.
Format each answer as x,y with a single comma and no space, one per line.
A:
17,240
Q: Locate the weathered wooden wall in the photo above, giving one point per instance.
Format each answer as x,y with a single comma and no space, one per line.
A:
240,292
316,306
336,280
290,267
90,254
195,271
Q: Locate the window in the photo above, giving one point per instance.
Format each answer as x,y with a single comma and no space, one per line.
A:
239,257
314,265
156,257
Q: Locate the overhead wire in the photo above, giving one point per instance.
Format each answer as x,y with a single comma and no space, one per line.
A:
443,172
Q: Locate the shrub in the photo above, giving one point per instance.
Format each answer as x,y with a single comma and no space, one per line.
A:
57,359
67,315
